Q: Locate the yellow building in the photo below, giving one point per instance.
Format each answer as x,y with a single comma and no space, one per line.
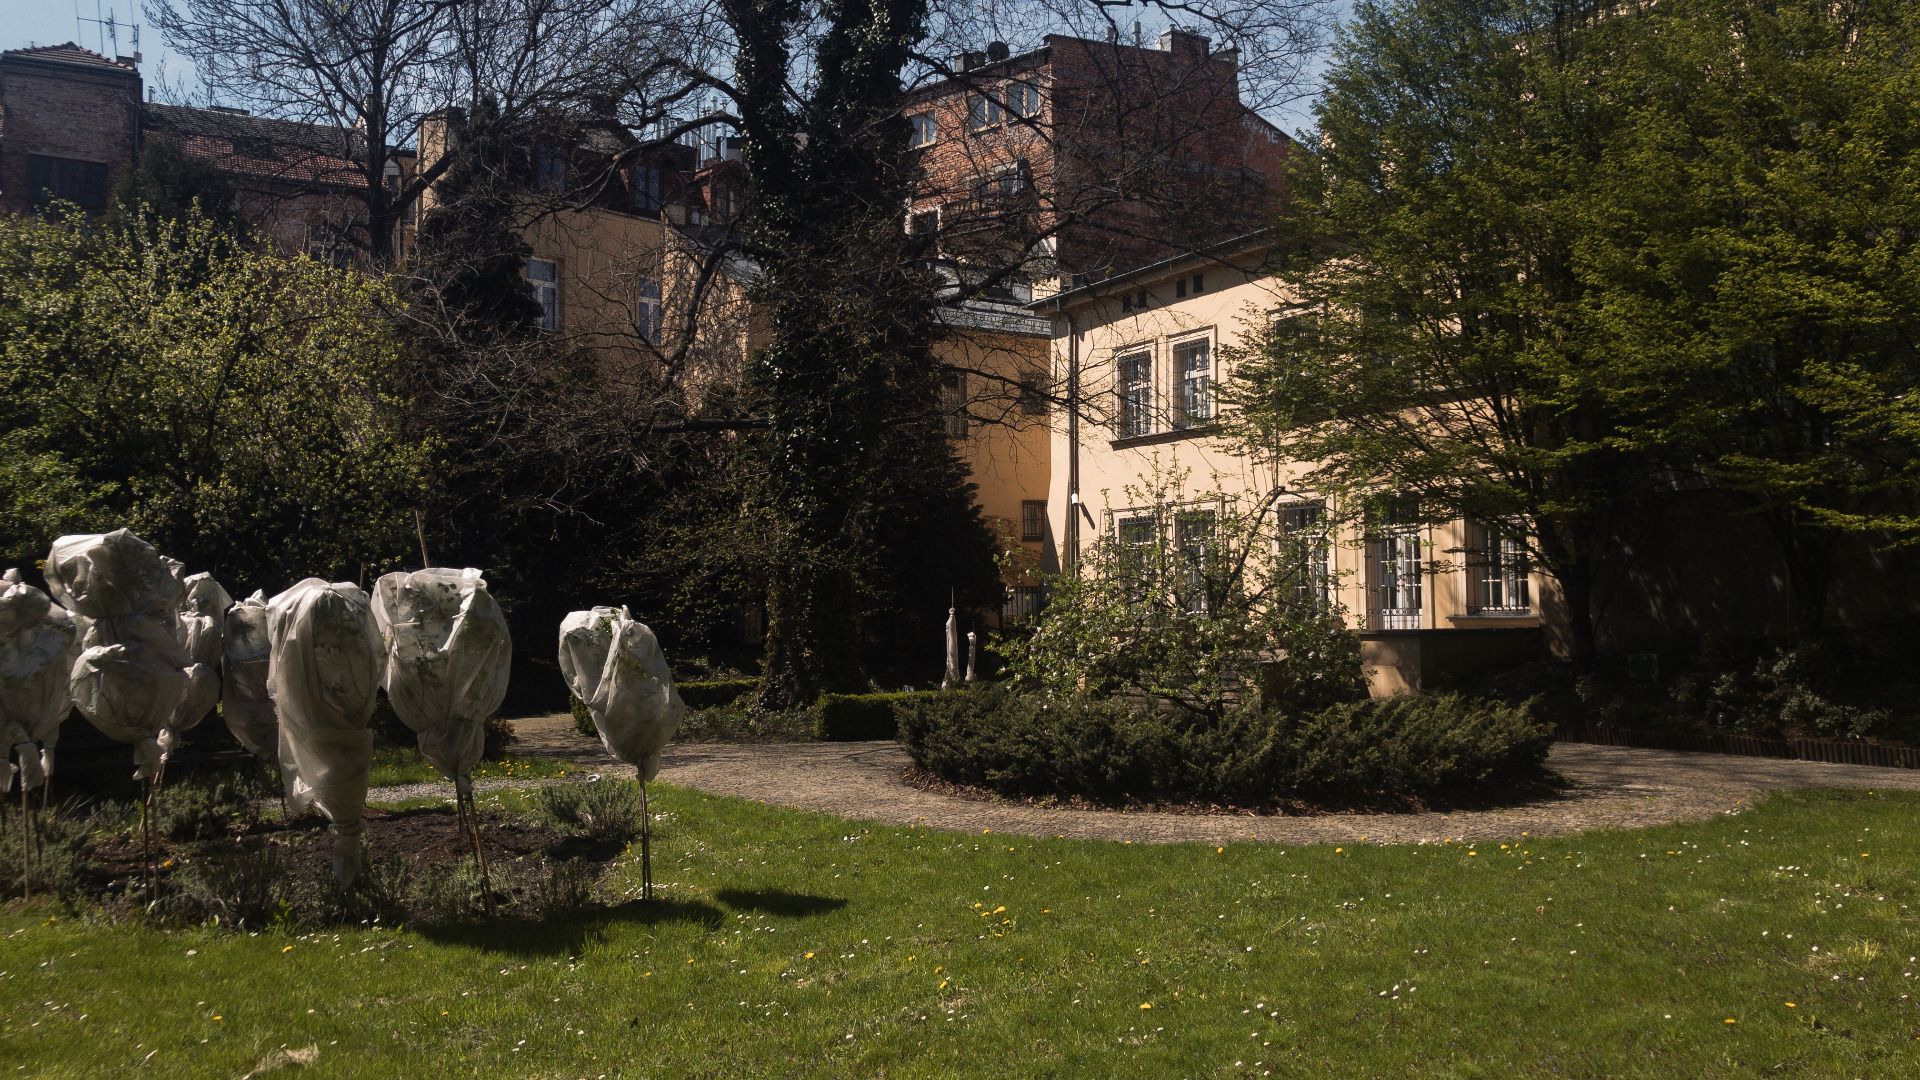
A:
1140,357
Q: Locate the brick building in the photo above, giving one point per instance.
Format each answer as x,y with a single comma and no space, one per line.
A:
69,125
1087,158
73,121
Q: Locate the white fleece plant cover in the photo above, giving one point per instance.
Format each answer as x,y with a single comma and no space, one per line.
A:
201,622
615,666
325,669
244,700
38,645
134,674
447,659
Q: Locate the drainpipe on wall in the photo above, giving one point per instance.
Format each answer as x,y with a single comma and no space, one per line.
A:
1070,558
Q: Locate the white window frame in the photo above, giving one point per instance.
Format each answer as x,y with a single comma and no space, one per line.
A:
983,112
545,290
1146,524
1306,547
1192,388
1396,570
1133,410
1021,99
1195,554
1497,571
924,129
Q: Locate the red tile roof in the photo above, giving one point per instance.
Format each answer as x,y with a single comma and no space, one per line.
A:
262,148
69,53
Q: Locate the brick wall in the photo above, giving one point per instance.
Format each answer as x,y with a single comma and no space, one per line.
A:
80,112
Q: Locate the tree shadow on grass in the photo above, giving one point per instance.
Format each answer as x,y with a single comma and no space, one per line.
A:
779,902
567,934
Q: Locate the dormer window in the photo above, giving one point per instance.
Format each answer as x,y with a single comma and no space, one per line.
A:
646,186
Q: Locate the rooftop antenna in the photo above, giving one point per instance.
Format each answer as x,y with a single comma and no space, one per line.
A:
106,31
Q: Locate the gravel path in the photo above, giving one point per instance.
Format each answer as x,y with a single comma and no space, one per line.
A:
1609,787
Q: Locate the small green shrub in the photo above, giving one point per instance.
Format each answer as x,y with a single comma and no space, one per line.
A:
210,807
1422,745
63,853
1416,748
715,693
746,721
598,810
447,893
857,717
565,886
245,888
498,736
582,717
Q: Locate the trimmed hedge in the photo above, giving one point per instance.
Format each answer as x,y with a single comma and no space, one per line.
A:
714,693
857,717
1433,746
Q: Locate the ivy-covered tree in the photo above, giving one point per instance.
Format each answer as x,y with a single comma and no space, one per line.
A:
236,408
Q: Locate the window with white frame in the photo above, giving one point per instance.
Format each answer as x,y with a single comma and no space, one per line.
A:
1396,565
1135,391
1193,538
1022,99
1306,553
953,403
983,112
923,129
1193,368
1006,182
1496,571
1135,535
649,314
543,283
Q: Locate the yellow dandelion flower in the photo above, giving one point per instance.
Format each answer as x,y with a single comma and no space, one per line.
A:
1730,1020
1146,1005
286,949
1791,1005
809,956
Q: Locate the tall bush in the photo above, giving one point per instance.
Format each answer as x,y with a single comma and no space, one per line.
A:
1202,610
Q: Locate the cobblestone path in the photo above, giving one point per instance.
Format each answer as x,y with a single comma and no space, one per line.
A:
1608,788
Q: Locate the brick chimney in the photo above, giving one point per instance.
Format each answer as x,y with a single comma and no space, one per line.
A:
1184,44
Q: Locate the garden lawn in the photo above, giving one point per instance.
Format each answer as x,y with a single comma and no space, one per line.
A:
393,765
786,944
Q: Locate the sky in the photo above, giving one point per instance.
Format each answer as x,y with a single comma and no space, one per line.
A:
50,22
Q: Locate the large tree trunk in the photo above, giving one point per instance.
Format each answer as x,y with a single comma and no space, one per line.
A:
1808,553
1575,573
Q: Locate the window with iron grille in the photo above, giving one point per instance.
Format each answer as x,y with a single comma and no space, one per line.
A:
1496,571
543,282
1033,519
649,314
1136,536
953,402
1024,604
1136,394
1306,553
1193,367
1193,541
1397,565
328,244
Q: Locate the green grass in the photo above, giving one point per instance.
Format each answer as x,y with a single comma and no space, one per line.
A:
404,765
789,944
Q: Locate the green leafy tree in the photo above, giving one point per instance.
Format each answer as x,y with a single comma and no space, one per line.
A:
234,407
166,185
1557,259
1194,608
1754,247
1436,354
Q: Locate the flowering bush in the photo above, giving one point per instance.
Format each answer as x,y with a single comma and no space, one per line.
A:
1196,599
